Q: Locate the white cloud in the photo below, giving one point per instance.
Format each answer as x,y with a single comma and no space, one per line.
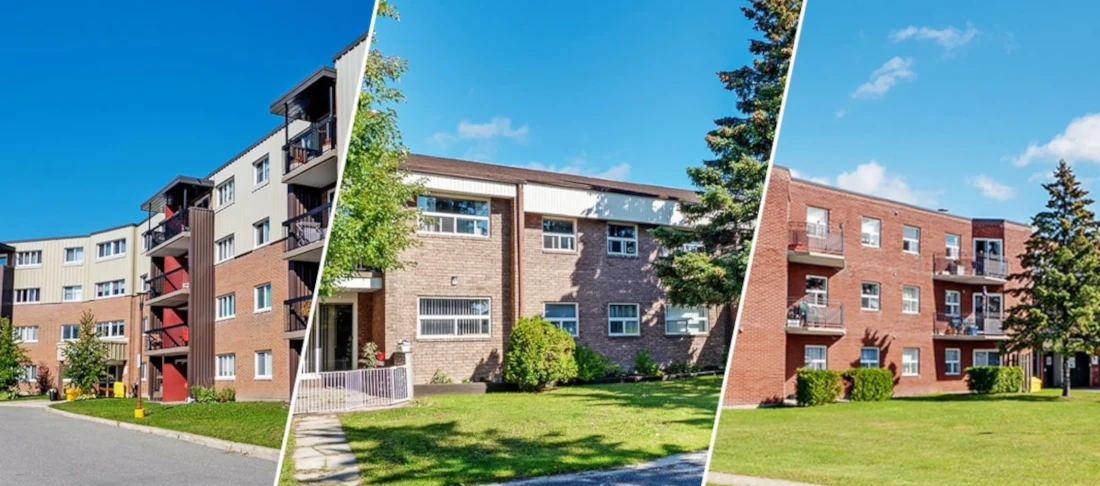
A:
885,77
991,188
841,112
949,38
797,174
1042,177
1080,142
496,127
873,179
578,165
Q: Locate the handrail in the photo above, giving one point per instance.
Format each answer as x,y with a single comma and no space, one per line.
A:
297,317
806,313
167,229
816,238
307,228
972,324
965,265
314,141
157,283
156,342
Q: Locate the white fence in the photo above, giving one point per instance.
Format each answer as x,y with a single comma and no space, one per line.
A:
341,391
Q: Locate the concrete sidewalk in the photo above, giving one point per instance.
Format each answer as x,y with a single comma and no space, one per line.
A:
322,454
738,480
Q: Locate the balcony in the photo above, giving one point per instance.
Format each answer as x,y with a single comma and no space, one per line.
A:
166,341
169,289
815,244
169,238
297,315
967,270
311,155
976,327
305,234
810,316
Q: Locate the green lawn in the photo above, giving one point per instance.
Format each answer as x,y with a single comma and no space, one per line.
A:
940,439
469,439
259,423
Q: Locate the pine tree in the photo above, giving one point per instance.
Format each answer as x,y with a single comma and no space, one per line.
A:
86,357
374,222
1058,286
732,183
12,358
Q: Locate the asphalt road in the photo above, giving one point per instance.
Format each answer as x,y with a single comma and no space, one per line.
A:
678,470
37,447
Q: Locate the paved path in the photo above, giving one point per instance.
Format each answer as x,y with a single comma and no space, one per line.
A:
46,449
322,454
738,480
677,470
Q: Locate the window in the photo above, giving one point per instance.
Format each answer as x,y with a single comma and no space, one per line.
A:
144,279
910,362
28,258
112,329
261,169
70,332
910,300
622,320
990,307
558,235
685,320
110,249
869,292
988,357
226,365
563,315
817,222
263,364
3,260
27,296
868,357
951,303
622,239
27,334
227,306
448,317
110,289
817,290
951,361
453,216
872,230
225,249
30,374
815,358
263,297
951,246
910,239
262,233
72,293
225,193
74,255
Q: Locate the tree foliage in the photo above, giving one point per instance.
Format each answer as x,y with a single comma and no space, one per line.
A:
12,357
1058,286
86,357
732,183
374,222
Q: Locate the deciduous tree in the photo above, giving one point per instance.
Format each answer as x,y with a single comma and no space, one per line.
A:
12,358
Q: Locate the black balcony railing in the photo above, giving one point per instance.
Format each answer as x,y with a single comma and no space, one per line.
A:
975,324
166,337
811,312
306,146
297,313
308,228
816,238
167,229
964,265
162,284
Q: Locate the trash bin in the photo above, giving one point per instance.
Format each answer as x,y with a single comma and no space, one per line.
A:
53,394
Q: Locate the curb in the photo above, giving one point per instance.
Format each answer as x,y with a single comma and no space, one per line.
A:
725,479
259,452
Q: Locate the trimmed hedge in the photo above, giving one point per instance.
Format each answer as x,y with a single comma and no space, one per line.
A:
539,355
818,387
870,384
995,379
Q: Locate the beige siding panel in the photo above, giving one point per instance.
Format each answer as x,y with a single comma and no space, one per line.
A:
349,77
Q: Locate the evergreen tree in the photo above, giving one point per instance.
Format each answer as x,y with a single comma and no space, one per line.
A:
1058,285
732,183
12,358
374,222
86,357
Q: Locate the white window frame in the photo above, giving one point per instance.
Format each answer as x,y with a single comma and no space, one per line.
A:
814,297
814,363
947,304
559,239
77,293
76,332
456,217
28,259
703,318
231,298
262,168
111,329
31,295
1000,244
420,318
220,255
78,254
952,367
876,297
906,301
256,304
977,309
229,359
226,193
109,250
910,245
952,251
906,362
115,288
560,321
867,239
30,374
258,357
27,334
637,320
985,353
877,363
816,225
623,241
261,233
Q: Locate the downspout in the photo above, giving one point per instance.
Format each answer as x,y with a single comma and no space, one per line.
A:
517,250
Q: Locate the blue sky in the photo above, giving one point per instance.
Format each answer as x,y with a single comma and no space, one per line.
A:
107,105
959,106
615,89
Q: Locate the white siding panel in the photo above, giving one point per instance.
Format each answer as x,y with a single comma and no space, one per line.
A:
577,203
455,185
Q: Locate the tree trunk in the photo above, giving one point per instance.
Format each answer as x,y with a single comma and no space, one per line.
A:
1065,375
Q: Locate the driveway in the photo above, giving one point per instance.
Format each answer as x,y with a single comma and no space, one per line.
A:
37,447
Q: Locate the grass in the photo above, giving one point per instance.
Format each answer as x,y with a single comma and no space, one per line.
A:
23,398
286,469
940,439
258,423
469,439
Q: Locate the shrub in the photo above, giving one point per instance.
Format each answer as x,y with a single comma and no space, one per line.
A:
818,387
644,365
680,367
44,378
591,365
995,379
202,394
870,384
6,395
368,358
439,378
539,355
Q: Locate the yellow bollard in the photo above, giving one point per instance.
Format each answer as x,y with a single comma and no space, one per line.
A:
139,413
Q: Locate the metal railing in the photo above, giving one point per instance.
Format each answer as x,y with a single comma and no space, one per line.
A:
811,313
306,146
964,265
166,337
167,229
161,284
975,324
307,228
297,313
816,238
337,391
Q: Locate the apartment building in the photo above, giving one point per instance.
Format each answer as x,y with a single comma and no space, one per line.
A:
842,280
498,243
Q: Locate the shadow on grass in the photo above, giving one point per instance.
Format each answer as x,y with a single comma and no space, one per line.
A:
701,394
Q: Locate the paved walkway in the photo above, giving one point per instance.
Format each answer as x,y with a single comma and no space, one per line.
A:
738,480
675,470
322,454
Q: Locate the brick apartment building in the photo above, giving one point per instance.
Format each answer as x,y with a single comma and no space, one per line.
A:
498,243
209,289
842,280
